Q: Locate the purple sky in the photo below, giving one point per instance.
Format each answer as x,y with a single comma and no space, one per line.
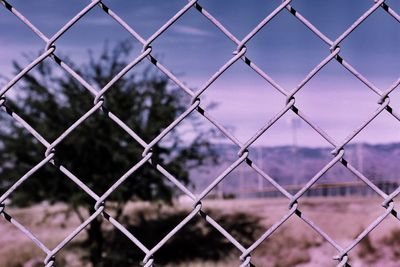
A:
194,49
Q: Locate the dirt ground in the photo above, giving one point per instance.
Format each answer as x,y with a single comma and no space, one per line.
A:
293,244
343,219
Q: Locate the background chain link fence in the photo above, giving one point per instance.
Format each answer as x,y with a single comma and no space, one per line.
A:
294,209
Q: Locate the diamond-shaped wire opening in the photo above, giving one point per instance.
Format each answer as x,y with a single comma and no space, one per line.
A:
42,88
143,17
334,102
10,130
382,243
344,214
53,222
276,50
151,224
41,13
198,131
251,17
368,157
76,45
291,152
121,244
77,153
156,100
28,43
196,39
216,181
338,21
254,206
252,102
188,151
381,51
193,131
15,242
365,234
304,241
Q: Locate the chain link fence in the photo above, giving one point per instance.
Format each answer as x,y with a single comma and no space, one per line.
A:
239,57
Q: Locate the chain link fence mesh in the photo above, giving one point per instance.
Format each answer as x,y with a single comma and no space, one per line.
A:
239,57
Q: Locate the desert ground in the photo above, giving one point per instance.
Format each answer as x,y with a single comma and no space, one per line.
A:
293,244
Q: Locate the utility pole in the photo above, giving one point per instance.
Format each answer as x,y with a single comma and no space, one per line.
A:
294,123
360,157
241,189
260,163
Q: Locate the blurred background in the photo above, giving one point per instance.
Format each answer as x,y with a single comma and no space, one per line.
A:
291,152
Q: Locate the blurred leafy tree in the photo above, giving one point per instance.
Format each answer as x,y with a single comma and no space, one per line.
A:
98,152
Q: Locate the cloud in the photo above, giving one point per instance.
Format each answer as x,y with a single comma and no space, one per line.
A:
192,31
99,21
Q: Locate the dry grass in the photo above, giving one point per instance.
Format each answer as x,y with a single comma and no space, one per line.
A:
295,244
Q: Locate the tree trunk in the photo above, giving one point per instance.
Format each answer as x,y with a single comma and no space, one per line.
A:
95,242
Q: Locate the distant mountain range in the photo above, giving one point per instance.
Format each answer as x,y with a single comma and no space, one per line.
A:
289,165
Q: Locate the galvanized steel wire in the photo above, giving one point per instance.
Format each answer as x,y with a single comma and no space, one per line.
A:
244,156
